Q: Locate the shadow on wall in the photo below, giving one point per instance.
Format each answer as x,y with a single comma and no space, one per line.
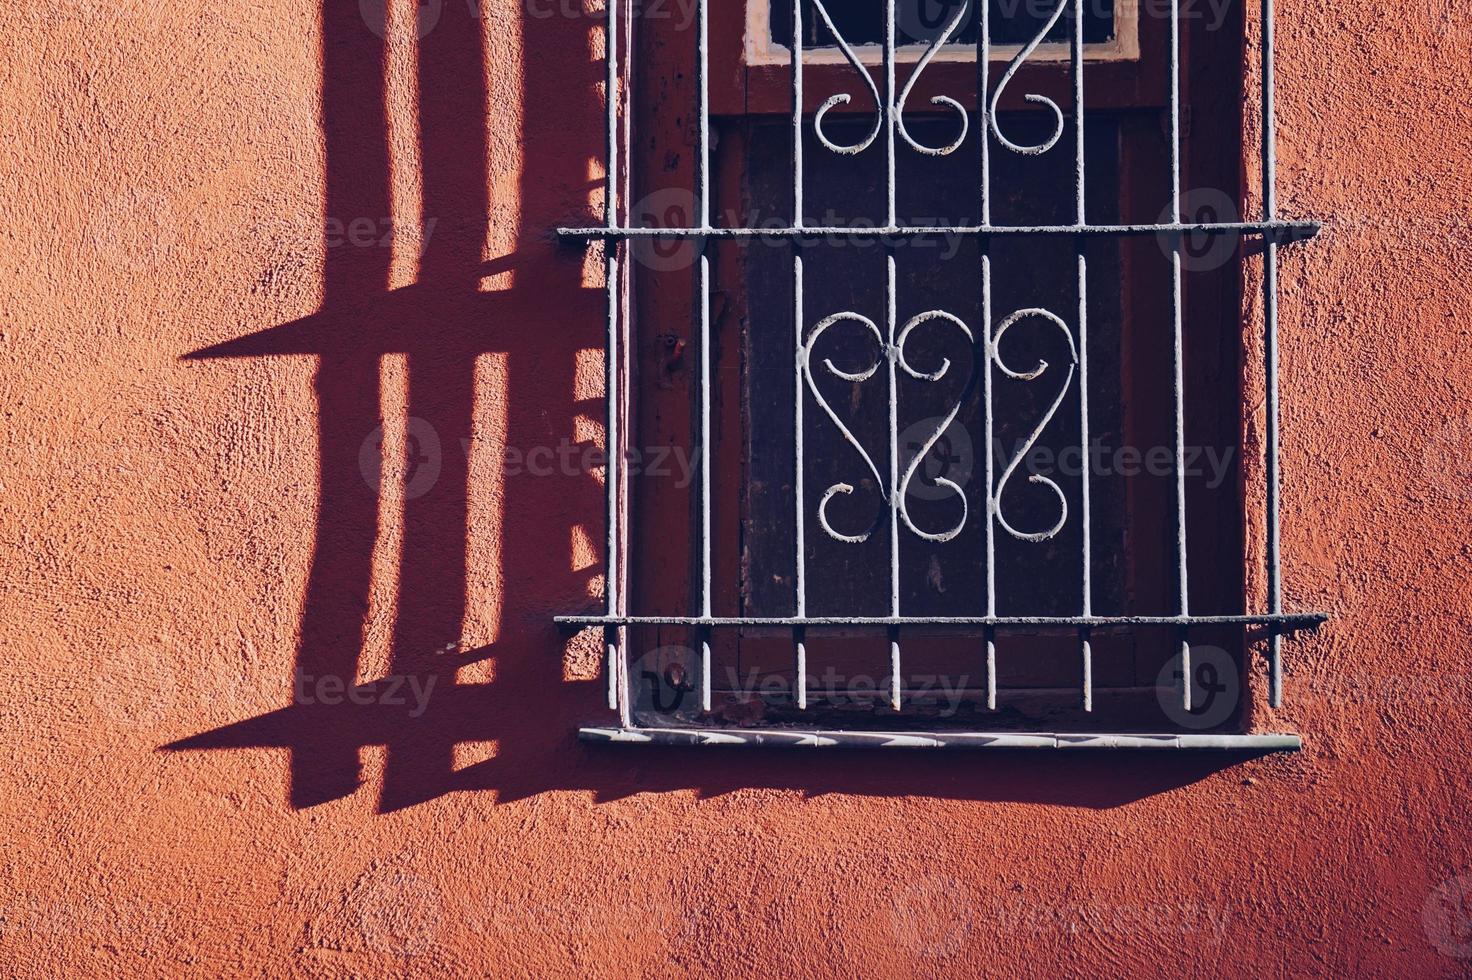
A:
537,326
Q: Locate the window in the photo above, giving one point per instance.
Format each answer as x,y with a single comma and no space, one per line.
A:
957,358
952,23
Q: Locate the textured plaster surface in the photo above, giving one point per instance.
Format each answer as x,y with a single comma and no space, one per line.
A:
187,364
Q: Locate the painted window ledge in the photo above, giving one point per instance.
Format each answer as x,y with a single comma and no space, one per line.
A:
940,740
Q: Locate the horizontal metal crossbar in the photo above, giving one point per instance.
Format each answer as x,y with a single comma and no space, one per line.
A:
821,738
1284,621
1282,232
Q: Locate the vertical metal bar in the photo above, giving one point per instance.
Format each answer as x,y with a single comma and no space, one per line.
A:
1178,384
610,646
1076,68
610,190
1270,356
1269,119
1275,583
703,633
1175,110
1086,648
702,193
983,86
611,473
705,464
617,699
797,157
799,634
891,318
702,134
988,425
1178,387
891,181
890,177
990,634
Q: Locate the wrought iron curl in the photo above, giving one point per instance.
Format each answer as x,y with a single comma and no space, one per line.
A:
843,98
1012,68
994,351
929,444
939,100
855,377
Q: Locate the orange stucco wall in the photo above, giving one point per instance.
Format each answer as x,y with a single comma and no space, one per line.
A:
193,379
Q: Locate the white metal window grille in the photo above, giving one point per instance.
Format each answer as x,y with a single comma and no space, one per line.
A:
890,471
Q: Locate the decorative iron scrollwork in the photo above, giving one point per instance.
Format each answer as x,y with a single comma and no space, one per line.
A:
939,100
863,374
995,353
896,353
929,443
898,109
1012,68
843,98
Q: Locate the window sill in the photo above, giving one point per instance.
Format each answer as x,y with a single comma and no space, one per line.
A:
785,738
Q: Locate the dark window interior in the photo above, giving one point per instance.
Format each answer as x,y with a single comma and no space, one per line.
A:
922,21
